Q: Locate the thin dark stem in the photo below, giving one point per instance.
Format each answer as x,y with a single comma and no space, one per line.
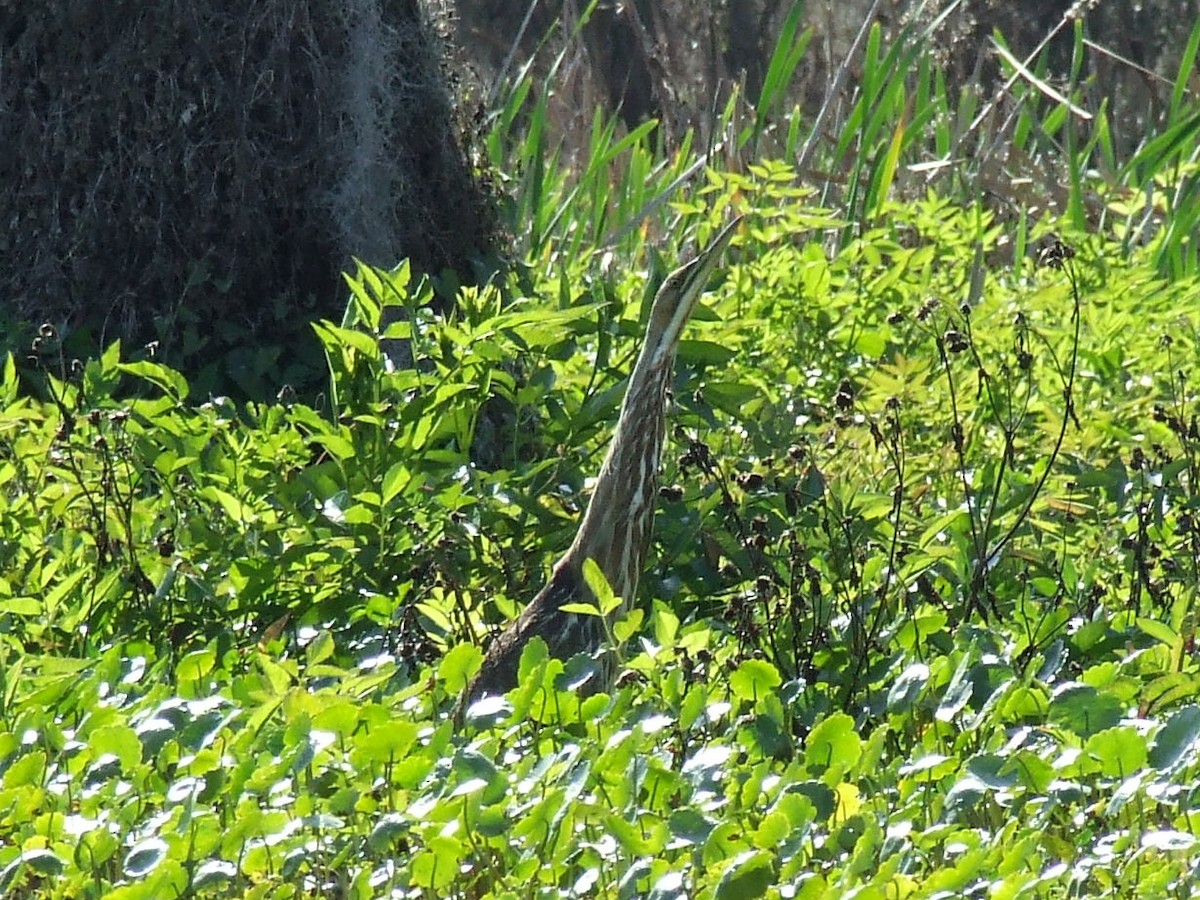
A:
1067,418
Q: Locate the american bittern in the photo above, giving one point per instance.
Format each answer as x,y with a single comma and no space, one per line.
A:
615,531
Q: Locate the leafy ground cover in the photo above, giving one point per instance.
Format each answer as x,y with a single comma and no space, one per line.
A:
921,621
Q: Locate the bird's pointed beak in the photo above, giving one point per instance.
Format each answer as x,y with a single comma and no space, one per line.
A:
696,274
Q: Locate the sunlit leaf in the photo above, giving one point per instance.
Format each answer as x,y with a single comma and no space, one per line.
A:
833,743
1168,840
754,679
459,665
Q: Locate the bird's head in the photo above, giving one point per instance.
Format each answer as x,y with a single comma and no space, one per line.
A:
676,298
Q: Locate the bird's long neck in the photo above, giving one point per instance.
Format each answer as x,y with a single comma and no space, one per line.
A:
621,509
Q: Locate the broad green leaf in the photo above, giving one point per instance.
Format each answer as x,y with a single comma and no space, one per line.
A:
1120,751
772,830
833,743
800,809
533,654
849,802
23,606
1176,742
338,446
749,875
436,867
1167,690
690,826
730,397
754,679
195,665
665,623
171,382
145,857
929,766
1168,840
704,353
1084,710
460,665
43,862
726,841
395,480
606,600
628,625
581,609
233,507
29,769
388,742
122,742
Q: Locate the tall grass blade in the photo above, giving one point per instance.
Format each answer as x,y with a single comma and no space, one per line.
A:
835,87
1187,65
788,52
1157,153
887,168
1040,84
1076,162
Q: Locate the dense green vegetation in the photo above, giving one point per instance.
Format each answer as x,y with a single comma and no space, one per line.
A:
921,616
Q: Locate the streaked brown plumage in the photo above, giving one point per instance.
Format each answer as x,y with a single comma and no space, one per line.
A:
615,530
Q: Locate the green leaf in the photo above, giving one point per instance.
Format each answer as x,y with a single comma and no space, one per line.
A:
195,665
1159,631
754,679
145,857
395,480
1175,744
9,384
1167,690
1084,710
871,344
690,826
43,862
436,867
533,654
23,606
730,397
907,688
705,353
386,742
930,766
233,507
335,337
772,830
338,446
171,382
29,769
320,648
581,609
121,741
748,876
1168,840
459,666
1025,705
665,623
833,742
799,807
628,625
606,600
